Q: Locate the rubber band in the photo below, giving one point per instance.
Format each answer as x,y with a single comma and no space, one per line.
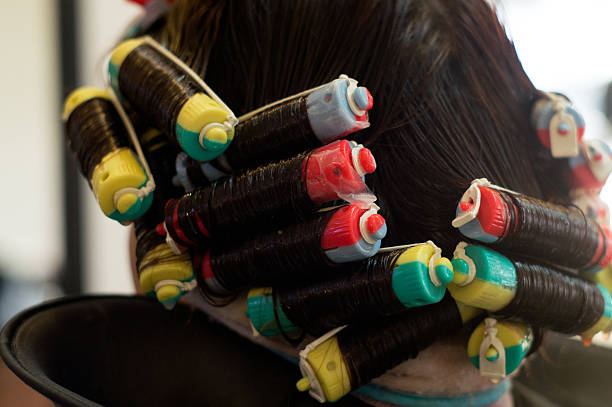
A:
150,185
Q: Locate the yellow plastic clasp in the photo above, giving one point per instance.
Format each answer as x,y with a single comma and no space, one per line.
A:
314,386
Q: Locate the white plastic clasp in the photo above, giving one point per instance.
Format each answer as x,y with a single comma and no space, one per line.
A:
350,90
363,229
562,129
124,191
472,195
141,193
184,286
460,253
356,148
493,369
432,263
171,243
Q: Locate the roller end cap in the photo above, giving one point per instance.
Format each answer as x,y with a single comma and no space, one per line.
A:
303,384
461,271
126,201
168,296
367,161
444,274
215,139
363,99
376,226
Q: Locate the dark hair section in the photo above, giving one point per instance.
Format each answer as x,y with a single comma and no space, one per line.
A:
452,99
271,134
288,256
235,208
371,349
366,293
453,104
156,87
551,299
93,130
553,233
160,154
158,151
194,176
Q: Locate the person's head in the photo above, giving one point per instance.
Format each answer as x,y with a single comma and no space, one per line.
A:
452,102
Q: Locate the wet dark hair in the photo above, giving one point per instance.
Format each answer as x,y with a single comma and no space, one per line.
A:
452,101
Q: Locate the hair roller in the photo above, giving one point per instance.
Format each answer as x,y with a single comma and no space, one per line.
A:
497,348
348,357
530,227
294,254
558,124
382,285
98,137
591,167
171,97
512,289
162,274
234,208
299,123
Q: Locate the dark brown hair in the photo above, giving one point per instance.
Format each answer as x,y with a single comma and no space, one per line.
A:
452,101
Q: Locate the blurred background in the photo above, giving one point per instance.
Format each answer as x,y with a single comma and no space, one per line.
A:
54,240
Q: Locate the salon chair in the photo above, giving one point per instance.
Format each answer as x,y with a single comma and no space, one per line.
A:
129,351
